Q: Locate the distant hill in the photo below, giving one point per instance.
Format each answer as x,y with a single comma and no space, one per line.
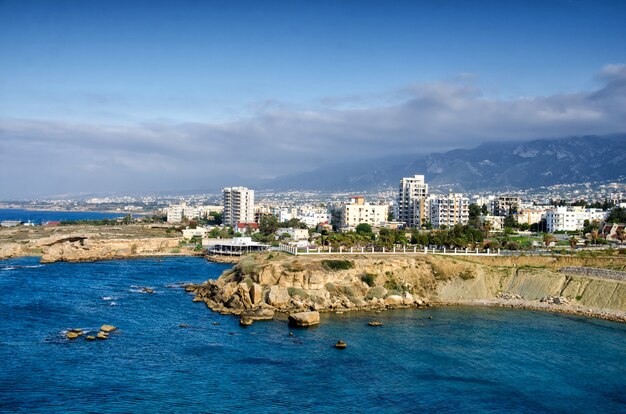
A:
491,166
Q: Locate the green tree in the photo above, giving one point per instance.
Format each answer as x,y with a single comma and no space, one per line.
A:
617,215
364,229
548,239
268,224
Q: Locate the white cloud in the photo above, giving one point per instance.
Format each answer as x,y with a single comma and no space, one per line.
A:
55,156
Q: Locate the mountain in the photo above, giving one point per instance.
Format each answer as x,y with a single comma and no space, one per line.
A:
491,166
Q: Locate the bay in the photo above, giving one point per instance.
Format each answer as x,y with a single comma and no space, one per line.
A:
464,359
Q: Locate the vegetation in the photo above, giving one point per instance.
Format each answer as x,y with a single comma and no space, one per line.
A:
369,279
335,265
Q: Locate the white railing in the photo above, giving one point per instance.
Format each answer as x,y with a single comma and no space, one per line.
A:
327,250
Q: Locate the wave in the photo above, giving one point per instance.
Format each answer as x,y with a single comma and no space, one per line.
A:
21,267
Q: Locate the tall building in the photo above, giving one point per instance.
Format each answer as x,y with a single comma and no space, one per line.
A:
238,205
449,210
413,201
502,205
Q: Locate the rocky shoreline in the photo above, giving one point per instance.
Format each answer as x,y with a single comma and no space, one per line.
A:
260,285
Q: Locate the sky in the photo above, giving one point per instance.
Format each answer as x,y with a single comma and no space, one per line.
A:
133,96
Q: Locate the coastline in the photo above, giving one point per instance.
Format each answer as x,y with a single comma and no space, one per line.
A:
263,284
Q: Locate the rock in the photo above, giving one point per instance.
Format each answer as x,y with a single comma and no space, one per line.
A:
107,328
341,345
304,319
102,335
183,325
261,313
245,321
256,294
147,290
394,300
375,323
234,303
408,299
278,296
198,298
243,292
73,334
90,338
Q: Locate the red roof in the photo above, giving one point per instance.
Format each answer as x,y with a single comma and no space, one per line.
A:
246,225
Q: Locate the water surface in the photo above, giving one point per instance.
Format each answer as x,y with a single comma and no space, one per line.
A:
464,359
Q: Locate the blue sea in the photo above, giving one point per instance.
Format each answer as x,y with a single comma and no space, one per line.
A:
464,359
38,217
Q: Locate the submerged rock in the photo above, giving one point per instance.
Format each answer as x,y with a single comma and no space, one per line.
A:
375,323
245,321
73,333
107,328
341,345
102,335
90,338
304,319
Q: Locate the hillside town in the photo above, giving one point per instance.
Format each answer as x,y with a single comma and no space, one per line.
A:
411,215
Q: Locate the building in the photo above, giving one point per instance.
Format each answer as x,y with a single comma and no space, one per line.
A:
200,232
177,213
502,205
530,215
238,205
413,201
294,234
448,210
236,246
246,228
358,211
571,218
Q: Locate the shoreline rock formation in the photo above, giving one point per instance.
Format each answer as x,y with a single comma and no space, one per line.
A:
292,284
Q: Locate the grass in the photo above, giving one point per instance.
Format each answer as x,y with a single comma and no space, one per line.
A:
335,265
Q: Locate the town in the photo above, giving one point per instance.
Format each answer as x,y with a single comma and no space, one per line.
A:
412,215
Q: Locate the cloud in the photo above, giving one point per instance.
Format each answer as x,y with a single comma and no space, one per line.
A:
47,157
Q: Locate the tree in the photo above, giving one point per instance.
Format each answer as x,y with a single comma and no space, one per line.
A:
548,239
484,210
617,215
620,234
268,224
364,229
573,241
217,217
594,235
487,227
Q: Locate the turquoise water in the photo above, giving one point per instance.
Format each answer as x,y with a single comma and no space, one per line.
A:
462,360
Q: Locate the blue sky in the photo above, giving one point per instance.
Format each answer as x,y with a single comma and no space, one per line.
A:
244,72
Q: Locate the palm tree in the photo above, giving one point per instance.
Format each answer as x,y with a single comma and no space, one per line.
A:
487,227
620,234
548,239
594,235
573,241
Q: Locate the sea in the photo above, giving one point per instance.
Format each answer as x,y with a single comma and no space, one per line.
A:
173,355
39,217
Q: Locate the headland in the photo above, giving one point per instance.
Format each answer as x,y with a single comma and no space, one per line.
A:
261,284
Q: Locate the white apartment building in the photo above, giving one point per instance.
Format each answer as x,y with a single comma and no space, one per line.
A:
413,201
448,209
179,212
294,234
358,211
571,218
238,205
312,218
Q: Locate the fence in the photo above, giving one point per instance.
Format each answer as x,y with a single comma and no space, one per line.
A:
327,250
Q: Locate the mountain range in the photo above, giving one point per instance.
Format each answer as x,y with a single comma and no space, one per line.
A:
490,166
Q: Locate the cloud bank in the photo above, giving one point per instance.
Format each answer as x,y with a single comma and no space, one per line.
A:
53,157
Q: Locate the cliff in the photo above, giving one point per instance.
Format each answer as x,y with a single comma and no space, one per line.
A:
299,283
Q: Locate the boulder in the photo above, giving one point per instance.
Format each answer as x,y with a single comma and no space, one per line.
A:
107,328
90,338
259,314
408,299
73,334
245,321
256,294
102,335
243,292
278,296
304,319
198,298
234,303
394,300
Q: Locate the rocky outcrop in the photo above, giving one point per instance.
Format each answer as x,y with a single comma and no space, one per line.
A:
304,319
294,284
85,249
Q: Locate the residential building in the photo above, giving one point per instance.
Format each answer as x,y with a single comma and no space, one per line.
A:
358,211
502,205
294,234
448,210
530,215
413,201
238,205
572,218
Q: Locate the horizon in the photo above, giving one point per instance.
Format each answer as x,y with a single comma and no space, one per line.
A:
152,96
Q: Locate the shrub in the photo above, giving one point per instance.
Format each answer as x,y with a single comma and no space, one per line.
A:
297,292
376,292
335,265
369,279
467,274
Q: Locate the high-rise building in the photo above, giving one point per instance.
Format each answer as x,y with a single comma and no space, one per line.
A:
449,210
413,201
238,206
